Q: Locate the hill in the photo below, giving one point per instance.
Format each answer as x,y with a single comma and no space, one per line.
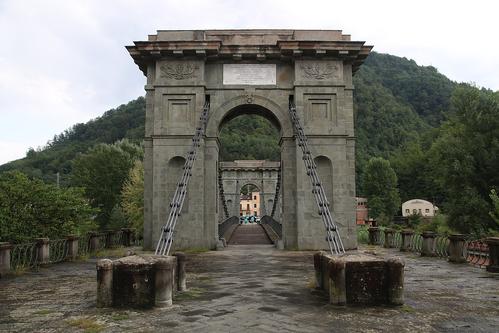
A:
395,102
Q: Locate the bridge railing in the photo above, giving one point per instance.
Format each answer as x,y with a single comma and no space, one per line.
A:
41,251
272,227
453,247
226,227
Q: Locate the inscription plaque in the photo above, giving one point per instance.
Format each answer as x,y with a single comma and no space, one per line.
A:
249,74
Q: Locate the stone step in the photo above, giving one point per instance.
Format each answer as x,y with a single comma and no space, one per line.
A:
249,234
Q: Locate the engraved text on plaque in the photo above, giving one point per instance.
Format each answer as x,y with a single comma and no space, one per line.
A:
249,74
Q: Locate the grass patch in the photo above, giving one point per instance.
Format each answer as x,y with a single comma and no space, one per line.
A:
89,325
191,293
120,316
43,312
407,308
115,252
205,278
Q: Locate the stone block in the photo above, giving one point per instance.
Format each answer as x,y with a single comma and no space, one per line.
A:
456,248
358,278
493,244
72,241
43,248
5,249
137,281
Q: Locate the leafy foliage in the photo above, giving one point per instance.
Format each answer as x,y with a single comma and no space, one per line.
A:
380,183
102,171
30,208
132,197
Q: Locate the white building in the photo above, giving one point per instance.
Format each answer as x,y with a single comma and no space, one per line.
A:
419,207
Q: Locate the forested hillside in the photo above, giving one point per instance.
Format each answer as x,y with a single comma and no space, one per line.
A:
418,135
395,101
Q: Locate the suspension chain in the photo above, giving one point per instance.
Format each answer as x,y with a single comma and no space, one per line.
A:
222,195
332,235
276,196
177,202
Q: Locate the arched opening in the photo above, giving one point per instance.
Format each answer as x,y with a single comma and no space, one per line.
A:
249,139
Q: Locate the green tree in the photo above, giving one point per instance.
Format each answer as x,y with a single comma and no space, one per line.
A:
133,197
465,158
380,186
29,208
102,171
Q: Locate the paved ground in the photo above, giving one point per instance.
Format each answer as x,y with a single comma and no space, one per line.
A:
254,289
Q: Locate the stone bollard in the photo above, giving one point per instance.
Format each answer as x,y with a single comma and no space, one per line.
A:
180,271
493,243
388,238
93,241
428,248
405,245
456,248
374,233
395,267
164,282
337,281
5,258
43,250
318,270
104,283
72,241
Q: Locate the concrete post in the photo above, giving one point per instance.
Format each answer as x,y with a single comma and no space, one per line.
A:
374,233
337,281
318,270
388,238
93,241
5,258
181,275
456,248
395,270
104,283
72,241
428,248
493,243
43,249
405,245
164,282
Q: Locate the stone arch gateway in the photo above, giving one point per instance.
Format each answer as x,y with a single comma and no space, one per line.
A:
259,70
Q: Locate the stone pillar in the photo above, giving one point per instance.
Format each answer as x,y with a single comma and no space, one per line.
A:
180,271
374,233
428,248
318,270
72,241
388,238
164,281
93,241
43,250
395,270
456,248
337,282
493,243
104,283
405,245
5,258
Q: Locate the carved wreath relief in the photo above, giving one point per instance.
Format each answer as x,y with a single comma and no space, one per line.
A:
319,71
179,71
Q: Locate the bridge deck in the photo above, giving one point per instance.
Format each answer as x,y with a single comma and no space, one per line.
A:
254,288
246,234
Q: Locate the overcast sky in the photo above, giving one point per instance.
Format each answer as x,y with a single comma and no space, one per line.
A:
64,62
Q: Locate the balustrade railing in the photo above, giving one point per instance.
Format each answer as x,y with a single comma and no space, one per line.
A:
45,251
455,248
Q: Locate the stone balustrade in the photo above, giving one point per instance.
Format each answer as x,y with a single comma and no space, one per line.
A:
41,252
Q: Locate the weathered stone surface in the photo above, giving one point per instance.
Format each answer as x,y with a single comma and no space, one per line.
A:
358,278
317,74
493,244
5,249
256,289
456,248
